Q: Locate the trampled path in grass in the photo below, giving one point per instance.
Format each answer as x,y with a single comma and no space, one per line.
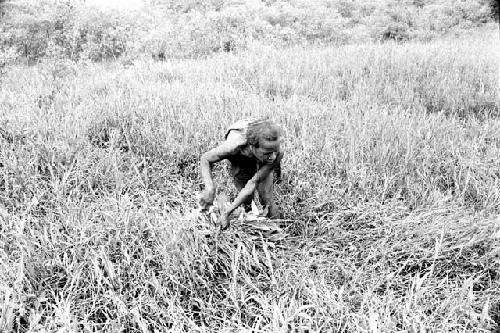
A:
390,192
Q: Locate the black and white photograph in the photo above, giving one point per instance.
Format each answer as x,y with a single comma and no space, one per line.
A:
282,166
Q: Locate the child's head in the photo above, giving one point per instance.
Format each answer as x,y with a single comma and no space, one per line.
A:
264,138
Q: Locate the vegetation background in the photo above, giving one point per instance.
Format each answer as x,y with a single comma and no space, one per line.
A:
391,179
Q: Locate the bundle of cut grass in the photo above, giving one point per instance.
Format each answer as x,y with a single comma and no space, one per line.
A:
253,225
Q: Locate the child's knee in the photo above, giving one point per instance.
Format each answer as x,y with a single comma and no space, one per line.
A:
266,198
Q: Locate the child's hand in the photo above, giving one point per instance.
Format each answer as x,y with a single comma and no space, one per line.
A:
223,221
206,199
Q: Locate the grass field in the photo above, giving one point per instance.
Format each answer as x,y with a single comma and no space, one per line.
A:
390,191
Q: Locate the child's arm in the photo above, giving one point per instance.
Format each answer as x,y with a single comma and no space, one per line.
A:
214,155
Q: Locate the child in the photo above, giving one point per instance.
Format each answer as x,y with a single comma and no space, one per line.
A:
252,147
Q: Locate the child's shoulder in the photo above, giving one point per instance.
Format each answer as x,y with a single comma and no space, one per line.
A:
236,138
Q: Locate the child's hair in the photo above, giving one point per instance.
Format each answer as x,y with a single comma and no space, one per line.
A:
262,131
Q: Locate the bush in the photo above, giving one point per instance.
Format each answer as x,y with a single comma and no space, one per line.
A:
7,57
176,29
395,31
78,32
98,35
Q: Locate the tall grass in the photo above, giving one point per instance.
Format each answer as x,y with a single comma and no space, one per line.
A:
390,192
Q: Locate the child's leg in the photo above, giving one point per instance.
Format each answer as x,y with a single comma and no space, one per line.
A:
240,179
266,197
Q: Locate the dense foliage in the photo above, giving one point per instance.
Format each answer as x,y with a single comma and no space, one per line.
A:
164,29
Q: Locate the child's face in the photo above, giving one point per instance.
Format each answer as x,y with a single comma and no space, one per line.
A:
267,152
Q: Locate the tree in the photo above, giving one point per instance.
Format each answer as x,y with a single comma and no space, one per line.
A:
495,9
3,8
